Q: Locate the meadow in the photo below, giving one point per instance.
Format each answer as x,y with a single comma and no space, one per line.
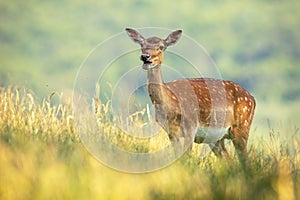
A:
42,46
42,157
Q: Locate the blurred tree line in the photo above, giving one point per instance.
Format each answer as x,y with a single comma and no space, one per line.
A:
255,43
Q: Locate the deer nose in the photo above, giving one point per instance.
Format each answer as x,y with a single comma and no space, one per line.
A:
145,57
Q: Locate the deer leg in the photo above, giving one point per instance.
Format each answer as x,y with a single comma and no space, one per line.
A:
176,145
240,139
216,149
188,144
187,147
174,139
219,148
223,149
188,131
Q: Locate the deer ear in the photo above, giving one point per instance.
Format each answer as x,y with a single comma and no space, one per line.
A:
135,36
173,38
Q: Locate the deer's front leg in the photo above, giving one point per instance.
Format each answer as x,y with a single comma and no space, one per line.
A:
174,134
189,133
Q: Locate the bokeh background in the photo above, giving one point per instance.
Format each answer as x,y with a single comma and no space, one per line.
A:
255,43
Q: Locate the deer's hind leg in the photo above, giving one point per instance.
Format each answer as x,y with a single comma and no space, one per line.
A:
240,130
240,140
219,148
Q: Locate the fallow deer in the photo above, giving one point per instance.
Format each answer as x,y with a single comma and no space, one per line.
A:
184,107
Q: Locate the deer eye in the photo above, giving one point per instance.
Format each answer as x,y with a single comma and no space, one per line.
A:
161,47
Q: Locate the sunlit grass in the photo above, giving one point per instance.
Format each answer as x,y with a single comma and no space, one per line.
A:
41,157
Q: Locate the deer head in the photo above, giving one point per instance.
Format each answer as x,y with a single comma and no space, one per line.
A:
153,48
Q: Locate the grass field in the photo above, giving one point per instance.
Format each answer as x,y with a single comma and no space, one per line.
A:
41,157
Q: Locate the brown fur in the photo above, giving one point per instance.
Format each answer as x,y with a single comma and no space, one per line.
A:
214,103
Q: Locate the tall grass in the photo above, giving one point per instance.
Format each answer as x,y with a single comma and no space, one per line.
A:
41,157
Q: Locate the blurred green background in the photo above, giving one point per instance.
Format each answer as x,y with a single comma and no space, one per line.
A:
255,43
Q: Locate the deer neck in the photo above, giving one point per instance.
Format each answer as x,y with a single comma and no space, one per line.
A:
155,85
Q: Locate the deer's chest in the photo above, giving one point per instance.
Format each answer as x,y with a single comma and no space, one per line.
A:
164,114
